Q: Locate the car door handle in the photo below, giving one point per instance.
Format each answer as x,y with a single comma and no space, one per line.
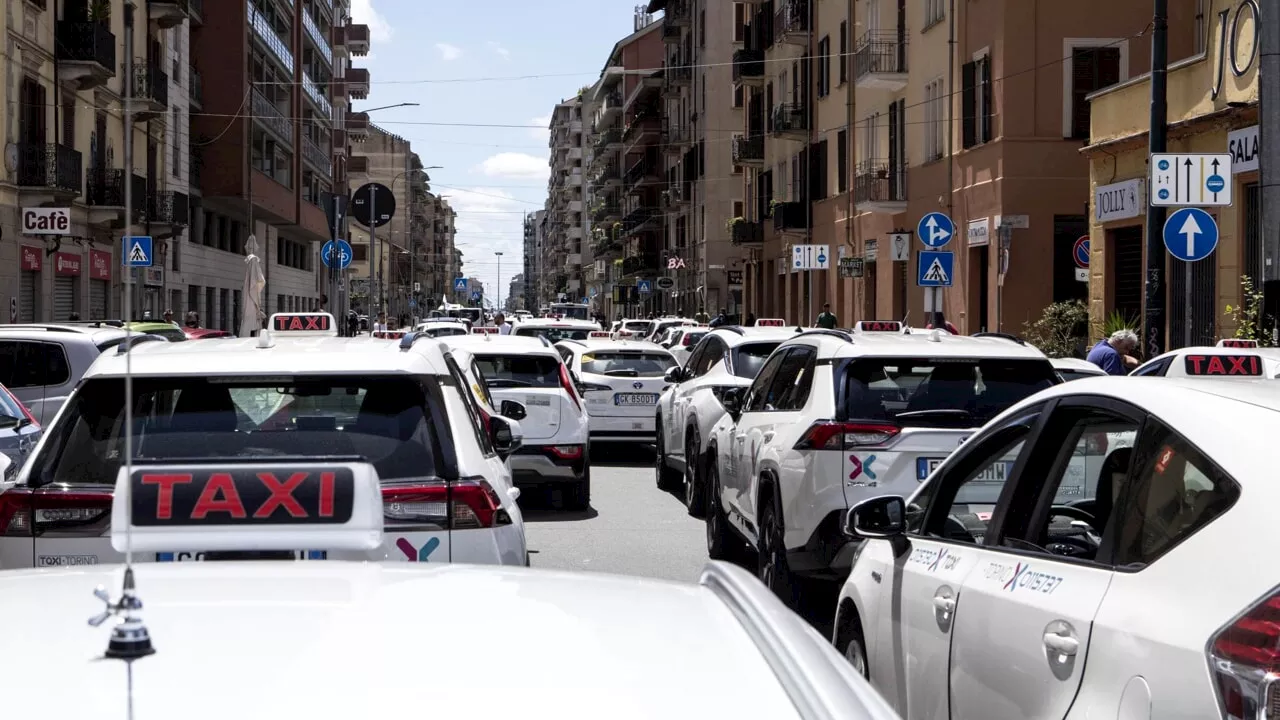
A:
1061,644
944,604
741,437
767,437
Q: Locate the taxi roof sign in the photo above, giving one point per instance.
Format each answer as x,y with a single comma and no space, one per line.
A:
234,505
771,322
878,326
1223,365
316,323
600,334
1237,343
484,330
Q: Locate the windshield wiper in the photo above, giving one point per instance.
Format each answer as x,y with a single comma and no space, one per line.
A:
940,413
622,373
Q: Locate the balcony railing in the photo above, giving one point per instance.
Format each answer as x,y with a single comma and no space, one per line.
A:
748,149
169,207
317,96
746,232
678,72
266,113
358,83
793,215
195,88
105,188
612,136
791,21
150,83
638,171
613,100
636,219
879,51
49,166
790,118
672,33
876,181
317,37
316,155
168,13
267,34
678,12
748,64
87,42
603,211
356,38
640,263
675,137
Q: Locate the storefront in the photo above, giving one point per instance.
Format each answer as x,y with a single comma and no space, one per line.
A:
99,284
31,262
66,285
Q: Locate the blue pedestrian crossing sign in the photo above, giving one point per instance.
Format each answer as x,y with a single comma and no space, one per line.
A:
644,286
935,230
412,303
341,249
137,251
459,284
475,294
935,269
1190,234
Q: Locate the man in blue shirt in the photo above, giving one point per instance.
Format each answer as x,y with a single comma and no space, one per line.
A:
1111,354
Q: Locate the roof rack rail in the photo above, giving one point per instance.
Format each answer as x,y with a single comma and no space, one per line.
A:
130,342
736,329
408,339
829,333
1001,336
47,327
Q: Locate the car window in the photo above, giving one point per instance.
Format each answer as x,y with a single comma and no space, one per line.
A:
712,351
791,386
29,363
759,392
627,364
695,359
471,406
1069,375
554,335
523,371
391,420
10,409
748,358
944,392
444,331
1155,367
172,335
638,326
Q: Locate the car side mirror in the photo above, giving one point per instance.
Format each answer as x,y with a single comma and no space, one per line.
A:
513,410
879,517
505,436
732,401
674,375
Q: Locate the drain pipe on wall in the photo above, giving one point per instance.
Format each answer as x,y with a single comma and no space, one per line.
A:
850,156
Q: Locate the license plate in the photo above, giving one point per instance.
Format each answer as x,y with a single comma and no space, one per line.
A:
635,399
997,473
199,556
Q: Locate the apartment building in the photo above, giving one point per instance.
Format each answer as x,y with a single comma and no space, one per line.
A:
530,258
65,138
562,254
436,279
515,294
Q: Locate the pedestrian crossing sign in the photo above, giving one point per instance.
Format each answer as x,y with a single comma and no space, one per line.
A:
935,269
137,252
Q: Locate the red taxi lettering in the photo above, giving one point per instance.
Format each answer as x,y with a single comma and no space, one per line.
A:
164,501
302,323
220,484
1224,365
881,326
281,495
1237,343
327,490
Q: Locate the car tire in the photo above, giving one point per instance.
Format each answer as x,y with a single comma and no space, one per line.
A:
771,564
722,543
668,479
695,494
854,649
578,495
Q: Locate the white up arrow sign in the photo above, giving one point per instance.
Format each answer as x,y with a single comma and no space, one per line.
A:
1190,229
937,236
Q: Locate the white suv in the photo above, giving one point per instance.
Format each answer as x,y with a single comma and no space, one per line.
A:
621,381
530,372
727,357
835,418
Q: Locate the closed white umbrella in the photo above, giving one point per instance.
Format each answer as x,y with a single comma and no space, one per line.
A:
254,283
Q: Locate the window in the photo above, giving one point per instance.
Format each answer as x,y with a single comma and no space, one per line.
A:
741,16
175,162
790,388
759,392
739,95
518,371
976,109
627,364
824,66
842,161
709,354
934,12
469,402
1200,29
24,364
1092,68
871,137
1155,367
843,61
738,209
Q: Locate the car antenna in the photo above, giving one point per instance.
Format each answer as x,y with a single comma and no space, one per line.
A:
130,639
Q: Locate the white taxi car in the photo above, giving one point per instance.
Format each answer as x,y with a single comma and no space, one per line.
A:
1135,602
556,330
727,357
295,392
633,329
834,418
530,373
341,640
621,381
1076,369
442,328
1230,358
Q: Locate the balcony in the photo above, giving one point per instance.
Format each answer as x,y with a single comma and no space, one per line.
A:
267,35
358,127
195,88
638,220
169,208
321,42
791,23
641,172
604,211
86,53
610,107
880,61
642,128
316,157
357,80
790,217
610,138
269,116
150,90
104,194
672,33
678,74
748,150
355,38
49,168
676,138
748,67
167,13
746,232
316,96
879,187
676,196
678,12
790,119
644,263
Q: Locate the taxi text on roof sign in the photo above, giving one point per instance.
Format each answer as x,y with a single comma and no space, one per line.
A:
1237,343
1224,365
310,323
878,326
485,330
235,505
599,334
388,334
771,322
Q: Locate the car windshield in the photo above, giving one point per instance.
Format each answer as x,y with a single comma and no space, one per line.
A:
554,334
691,338
534,371
391,421
627,364
749,358
174,334
940,392
444,331
638,326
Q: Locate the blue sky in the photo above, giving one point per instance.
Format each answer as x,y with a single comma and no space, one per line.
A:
439,54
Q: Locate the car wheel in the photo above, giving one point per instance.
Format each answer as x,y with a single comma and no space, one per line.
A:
694,493
578,498
722,544
855,651
772,567
668,479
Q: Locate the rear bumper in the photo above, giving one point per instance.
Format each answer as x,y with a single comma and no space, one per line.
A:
535,465
828,553
622,429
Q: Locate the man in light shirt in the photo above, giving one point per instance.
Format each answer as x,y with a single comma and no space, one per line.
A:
381,324
501,321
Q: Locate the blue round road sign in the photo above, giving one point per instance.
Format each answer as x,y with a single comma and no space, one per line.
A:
1215,183
935,230
343,254
1190,234
1080,252
1163,164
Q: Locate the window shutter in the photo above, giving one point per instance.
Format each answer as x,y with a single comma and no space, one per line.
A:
968,105
844,51
893,137
985,88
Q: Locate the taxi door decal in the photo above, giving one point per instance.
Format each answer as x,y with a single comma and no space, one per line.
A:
417,554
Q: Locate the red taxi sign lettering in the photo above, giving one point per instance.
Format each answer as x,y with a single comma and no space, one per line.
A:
388,334
1237,343
879,326
598,334
771,322
303,323
1223,365
485,330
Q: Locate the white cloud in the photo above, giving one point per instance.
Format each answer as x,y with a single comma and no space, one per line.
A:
489,220
505,53
362,13
515,165
449,52
541,133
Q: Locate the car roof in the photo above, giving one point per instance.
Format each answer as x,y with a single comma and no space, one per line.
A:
1076,365
737,335
567,322
91,332
597,344
292,355
648,648
937,343
499,344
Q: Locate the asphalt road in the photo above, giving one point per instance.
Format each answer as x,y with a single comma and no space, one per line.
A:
633,528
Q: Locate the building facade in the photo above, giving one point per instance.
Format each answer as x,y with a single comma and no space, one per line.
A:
562,255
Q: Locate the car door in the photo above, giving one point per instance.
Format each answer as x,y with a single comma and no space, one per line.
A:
738,480
1022,633
704,358
947,527
673,435
756,434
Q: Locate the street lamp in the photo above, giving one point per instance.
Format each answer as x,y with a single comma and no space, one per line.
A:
498,307
413,270
389,107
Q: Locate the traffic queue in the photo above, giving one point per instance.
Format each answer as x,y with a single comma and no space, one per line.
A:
994,521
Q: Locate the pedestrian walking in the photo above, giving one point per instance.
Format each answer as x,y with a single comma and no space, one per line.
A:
1114,354
826,319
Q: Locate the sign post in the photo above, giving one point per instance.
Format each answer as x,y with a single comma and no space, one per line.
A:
1190,235
935,230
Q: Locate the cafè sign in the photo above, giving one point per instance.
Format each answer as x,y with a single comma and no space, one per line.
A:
1237,42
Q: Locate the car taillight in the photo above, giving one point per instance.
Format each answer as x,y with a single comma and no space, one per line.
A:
842,436
566,452
23,512
566,382
686,340
1244,659
467,504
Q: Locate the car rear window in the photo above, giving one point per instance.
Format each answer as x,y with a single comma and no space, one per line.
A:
506,371
940,392
627,364
554,335
444,331
1070,375
642,327
691,338
749,358
174,335
391,421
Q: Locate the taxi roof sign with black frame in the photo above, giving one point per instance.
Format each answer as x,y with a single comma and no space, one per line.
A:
1237,343
878,326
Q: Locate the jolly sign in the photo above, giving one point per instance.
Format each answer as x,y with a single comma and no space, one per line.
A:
1231,28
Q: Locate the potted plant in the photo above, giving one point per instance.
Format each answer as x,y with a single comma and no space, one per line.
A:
99,11
733,222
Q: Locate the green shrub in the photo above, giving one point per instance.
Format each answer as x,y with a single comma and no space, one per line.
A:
1061,330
